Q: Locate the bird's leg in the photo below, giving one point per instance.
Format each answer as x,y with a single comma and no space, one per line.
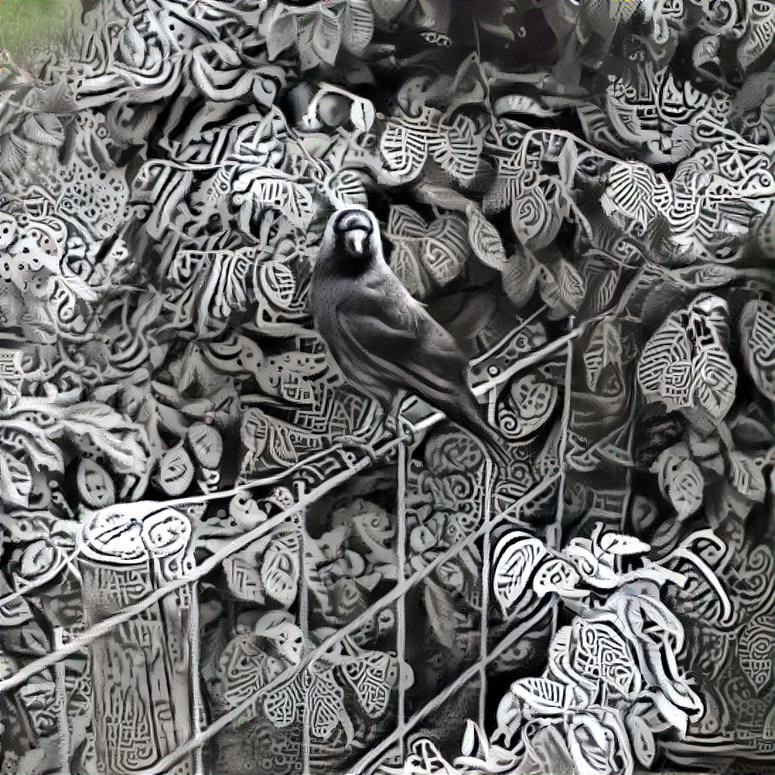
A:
394,421
360,441
365,446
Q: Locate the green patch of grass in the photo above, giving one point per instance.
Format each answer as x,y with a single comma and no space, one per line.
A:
26,23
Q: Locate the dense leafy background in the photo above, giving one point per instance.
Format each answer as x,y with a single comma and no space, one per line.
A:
603,168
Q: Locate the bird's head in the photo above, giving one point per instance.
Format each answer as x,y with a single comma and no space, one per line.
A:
356,238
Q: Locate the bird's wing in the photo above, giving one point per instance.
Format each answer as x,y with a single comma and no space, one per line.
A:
402,345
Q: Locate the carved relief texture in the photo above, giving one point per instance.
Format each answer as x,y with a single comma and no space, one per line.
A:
218,557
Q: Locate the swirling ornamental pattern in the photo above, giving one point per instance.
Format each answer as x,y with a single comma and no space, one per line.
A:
202,574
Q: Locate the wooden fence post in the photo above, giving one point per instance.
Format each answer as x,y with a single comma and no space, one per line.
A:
142,697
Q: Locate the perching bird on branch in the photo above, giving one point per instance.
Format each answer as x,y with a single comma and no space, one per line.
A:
383,340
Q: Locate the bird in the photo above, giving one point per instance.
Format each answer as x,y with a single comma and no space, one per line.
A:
384,341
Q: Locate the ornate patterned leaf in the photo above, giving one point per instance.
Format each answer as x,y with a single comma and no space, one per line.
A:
372,675
166,171
685,364
757,342
292,199
680,480
280,567
362,114
15,480
404,148
358,25
542,694
516,557
755,650
327,35
95,485
485,240
746,477
176,471
519,278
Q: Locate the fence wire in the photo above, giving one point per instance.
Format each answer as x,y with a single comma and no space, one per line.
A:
393,743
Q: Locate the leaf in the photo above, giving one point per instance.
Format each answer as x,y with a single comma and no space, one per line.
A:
44,129
407,266
388,9
485,240
95,414
277,285
549,290
671,712
406,229
469,739
516,557
371,675
557,576
229,288
650,621
95,486
404,149
634,193
532,218
441,613
358,25
685,364
281,32
405,223
243,578
746,477
78,288
206,444
601,281
362,114
755,650
327,35
292,199
109,432
457,147
307,56
542,694
13,154
567,162
622,545
522,105
533,401
445,248
43,452
701,276
680,480
570,283
519,278
15,480
604,347
280,567
38,557
345,187
757,344
593,745
176,471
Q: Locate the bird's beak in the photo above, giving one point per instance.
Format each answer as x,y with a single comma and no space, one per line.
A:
355,240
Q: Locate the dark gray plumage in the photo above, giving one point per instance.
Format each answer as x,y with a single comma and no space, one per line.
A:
382,338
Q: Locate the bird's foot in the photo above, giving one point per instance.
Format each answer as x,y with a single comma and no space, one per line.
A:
358,444
400,427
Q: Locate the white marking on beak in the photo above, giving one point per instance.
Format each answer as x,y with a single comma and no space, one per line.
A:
355,239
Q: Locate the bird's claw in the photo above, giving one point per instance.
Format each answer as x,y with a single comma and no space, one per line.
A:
407,429
362,446
400,427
